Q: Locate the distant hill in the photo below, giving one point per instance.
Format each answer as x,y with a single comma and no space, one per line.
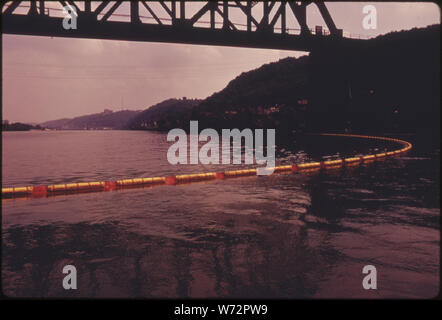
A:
393,81
103,120
18,126
164,115
55,124
258,98
387,83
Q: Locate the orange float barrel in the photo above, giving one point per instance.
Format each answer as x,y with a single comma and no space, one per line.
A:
186,178
391,153
309,165
39,191
140,181
333,163
353,160
110,185
287,168
171,180
76,187
369,157
16,192
55,188
239,173
220,175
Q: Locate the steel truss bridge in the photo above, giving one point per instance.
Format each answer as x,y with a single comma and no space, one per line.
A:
254,24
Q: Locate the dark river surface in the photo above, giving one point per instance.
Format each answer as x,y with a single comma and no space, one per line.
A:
305,235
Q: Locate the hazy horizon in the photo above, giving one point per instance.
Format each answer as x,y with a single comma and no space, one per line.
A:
48,78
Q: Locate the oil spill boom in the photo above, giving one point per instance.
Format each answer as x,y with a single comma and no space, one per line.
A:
82,187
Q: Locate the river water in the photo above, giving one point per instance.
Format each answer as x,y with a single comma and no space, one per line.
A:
282,236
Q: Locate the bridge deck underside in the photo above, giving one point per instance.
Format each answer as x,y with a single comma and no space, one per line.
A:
176,25
26,25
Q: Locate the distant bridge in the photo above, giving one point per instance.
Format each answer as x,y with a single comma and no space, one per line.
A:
254,24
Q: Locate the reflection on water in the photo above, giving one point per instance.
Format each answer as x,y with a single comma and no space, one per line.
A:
291,235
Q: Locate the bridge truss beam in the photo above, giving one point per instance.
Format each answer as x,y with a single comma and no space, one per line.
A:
169,21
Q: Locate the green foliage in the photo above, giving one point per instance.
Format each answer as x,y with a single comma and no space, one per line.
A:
165,115
19,127
103,120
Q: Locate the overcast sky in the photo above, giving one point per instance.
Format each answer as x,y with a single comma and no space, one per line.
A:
49,78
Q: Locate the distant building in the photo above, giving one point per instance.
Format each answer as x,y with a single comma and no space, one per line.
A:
303,101
270,110
107,111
